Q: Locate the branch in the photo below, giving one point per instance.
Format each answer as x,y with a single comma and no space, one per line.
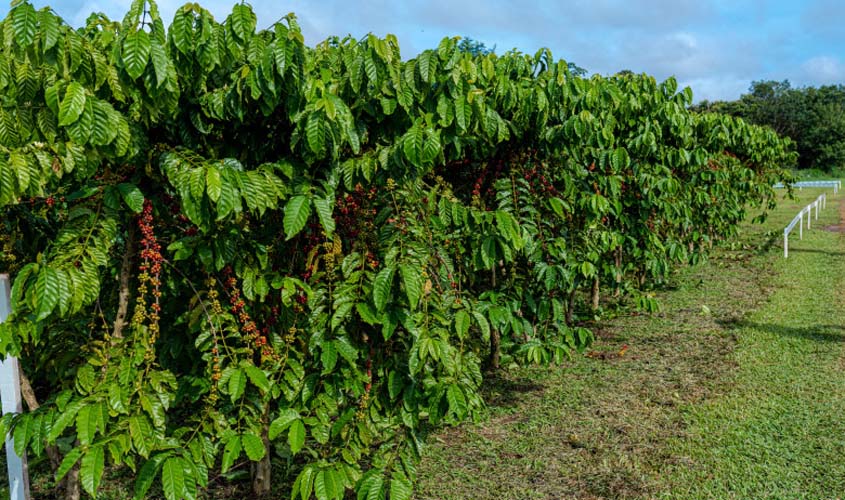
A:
123,295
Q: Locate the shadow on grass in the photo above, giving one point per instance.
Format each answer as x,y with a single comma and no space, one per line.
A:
820,333
813,250
505,392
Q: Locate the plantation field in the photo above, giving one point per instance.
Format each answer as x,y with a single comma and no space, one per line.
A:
244,266
734,390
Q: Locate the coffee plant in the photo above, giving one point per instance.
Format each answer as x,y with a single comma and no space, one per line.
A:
234,252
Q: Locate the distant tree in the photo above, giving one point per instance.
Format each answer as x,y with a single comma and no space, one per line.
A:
575,69
813,117
474,47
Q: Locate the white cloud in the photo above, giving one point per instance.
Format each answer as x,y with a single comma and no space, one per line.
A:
824,70
716,88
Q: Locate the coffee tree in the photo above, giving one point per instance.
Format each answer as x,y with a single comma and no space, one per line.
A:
230,249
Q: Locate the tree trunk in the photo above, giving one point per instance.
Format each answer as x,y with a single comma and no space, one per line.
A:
262,470
495,354
571,306
595,294
618,291
123,294
71,484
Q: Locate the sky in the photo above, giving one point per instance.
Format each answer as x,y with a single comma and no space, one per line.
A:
716,47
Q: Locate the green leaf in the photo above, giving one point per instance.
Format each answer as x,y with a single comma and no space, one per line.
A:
463,111
509,228
280,55
366,313
370,68
257,377
328,357
91,469
282,422
173,478
213,183
457,401
483,325
432,148
64,418
67,463
104,129
49,25
25,22
80,130
159,58
323,207
243,21
382,287
147,474
253,446
462,322
413,281
136,53
558,206
72,105
141,433
315,133
296,436
297,210
231,452
87,421
132,196
23,433
304,484
47,292
395,384
412,145
229,200
237,384
325,486
400,489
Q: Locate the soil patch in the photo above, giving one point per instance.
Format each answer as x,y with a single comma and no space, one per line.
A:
839,228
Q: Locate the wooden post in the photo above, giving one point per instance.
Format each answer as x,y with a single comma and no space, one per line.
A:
10,393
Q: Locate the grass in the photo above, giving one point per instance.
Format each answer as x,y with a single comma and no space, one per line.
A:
743,398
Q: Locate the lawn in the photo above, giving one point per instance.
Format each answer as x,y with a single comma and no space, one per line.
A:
735,390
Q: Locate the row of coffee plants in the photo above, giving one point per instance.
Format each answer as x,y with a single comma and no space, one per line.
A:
234,252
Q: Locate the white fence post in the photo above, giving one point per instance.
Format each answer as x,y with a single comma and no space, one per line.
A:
10,394
799,220
785,244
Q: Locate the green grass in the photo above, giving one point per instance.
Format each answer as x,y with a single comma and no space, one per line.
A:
743,398
781,432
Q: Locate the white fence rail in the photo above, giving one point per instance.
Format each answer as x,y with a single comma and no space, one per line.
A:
836,185
10,400
820,203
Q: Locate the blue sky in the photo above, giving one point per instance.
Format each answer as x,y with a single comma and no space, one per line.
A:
716,47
